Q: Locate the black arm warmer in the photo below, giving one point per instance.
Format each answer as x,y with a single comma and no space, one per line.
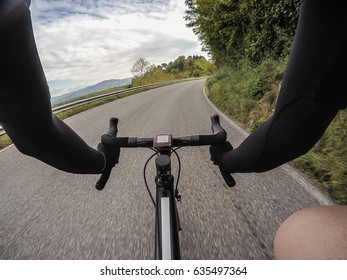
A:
25,110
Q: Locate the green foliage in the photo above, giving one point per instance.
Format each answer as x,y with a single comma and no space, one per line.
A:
231,30
181,68
246,92
256,90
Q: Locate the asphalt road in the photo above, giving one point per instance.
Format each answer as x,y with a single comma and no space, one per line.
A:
49,214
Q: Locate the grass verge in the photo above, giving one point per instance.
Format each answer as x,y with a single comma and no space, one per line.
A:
4,141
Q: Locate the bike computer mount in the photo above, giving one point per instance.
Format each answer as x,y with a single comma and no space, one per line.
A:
162,142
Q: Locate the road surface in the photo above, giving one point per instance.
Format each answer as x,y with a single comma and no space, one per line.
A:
49,214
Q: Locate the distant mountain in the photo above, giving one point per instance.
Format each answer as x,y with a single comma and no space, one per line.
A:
91,89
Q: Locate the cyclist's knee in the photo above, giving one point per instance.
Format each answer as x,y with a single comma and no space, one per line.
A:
313,233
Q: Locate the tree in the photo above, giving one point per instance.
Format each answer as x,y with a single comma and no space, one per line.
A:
230,30
180,68
164,66
179,63
140,67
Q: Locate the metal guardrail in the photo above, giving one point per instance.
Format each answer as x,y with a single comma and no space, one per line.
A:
74,104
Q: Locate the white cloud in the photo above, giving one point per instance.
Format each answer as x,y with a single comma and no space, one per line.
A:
90,41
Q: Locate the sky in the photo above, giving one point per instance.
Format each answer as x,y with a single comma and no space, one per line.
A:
81,43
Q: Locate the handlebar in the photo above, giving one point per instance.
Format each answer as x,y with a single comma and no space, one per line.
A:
218,137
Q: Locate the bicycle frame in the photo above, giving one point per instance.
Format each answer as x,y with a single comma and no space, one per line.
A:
166,218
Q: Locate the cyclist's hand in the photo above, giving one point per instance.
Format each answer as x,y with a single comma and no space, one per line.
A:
111,154
217,152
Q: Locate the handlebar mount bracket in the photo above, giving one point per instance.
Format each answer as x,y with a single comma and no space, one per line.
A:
162,142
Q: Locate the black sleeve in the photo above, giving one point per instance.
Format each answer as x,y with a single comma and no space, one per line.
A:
25,109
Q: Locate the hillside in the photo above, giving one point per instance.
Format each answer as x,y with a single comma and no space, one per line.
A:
94,88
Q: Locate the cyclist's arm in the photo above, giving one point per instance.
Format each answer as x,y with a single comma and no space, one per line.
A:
291,132
313,89
25,110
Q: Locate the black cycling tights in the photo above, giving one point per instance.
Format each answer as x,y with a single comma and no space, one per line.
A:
25,110
314,89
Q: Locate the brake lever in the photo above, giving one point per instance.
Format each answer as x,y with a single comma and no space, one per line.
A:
103,179
111,132
229,180
216,129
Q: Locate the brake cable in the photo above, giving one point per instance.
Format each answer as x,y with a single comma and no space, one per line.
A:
144,175
177,195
